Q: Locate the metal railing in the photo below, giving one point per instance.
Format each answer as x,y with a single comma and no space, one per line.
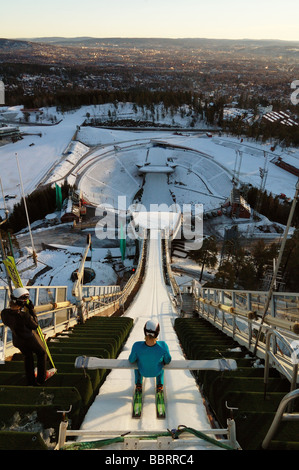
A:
176,294
280,352
108,302
55,313
139,440
237,314
281,416
40,295
283,306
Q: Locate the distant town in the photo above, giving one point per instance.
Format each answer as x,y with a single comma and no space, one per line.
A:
212,68
236,82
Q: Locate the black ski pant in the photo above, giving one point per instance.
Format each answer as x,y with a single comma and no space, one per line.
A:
28,349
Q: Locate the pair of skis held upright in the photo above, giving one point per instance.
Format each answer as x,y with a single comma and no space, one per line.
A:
138,402
13,274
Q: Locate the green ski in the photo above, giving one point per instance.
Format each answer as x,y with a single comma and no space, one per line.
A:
137,403
160,404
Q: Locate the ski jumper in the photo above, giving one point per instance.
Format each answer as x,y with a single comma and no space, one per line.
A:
150,360
23,324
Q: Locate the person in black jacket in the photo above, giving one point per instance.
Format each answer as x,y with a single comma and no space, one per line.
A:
22,320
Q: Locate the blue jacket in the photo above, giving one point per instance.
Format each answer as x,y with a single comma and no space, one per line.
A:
150,359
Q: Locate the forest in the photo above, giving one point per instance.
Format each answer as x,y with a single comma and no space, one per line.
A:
236,266
39,203
69,98
273,207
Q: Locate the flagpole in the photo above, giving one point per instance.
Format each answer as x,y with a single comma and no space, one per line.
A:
27,216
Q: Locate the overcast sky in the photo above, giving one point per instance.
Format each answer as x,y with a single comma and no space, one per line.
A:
230,19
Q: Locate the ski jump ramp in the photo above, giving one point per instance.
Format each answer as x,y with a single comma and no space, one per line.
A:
111,411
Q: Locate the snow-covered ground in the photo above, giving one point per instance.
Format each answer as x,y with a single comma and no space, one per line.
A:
106,167
52,147
104,164
35,160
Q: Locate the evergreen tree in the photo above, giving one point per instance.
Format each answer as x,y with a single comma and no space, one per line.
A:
226,276
262,256
206,255
290,263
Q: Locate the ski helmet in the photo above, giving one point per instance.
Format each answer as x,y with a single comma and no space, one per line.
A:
20,296
20,292
152,328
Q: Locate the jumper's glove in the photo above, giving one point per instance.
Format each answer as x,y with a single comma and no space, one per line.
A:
30,307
